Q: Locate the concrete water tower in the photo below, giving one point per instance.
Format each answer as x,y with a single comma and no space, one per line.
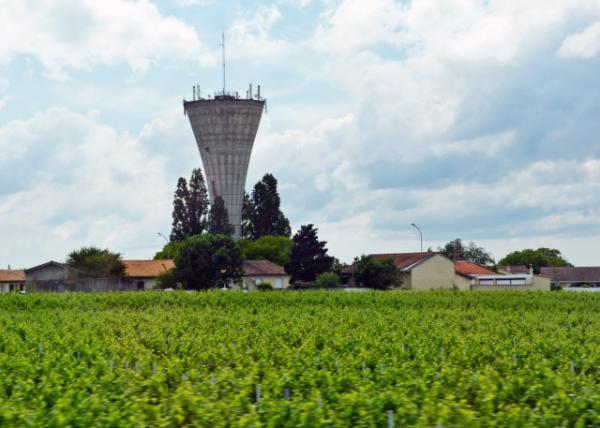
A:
225,127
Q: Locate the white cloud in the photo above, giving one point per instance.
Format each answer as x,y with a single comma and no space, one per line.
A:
583,44
194,2
250,38
81,34
69,181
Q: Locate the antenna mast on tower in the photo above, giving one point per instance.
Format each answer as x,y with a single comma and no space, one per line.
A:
223,47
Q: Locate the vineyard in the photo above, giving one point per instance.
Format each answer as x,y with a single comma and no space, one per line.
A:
300,359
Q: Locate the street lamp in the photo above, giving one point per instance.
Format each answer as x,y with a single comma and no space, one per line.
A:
163,236
420,234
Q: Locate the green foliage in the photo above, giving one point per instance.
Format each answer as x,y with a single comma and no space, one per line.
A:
190,207
455,250
375,273
218,220
272,248
169,251
92,262
308,256
542,257
208,261
265,286
168,279
452,359
261,215
327,280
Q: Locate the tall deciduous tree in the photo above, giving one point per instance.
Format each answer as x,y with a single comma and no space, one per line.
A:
208,261
92,262
308,256
262,214
542,257
456,250
190,206
218,218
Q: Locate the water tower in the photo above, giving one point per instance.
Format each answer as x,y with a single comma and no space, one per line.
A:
225,127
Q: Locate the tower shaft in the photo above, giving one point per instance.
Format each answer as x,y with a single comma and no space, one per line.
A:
225,129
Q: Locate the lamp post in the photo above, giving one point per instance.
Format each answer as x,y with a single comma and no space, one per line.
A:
163,236
420,234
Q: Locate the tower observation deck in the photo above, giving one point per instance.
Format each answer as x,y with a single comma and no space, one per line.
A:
225,127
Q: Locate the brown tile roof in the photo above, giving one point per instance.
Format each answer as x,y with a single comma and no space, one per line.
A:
12,275
465,268
147,268
263,268
402,260
571,274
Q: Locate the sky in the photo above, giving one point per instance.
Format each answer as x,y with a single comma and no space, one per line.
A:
474,119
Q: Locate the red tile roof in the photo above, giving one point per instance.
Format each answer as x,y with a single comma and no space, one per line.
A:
465,268
402,260
12,275
262,268
147,268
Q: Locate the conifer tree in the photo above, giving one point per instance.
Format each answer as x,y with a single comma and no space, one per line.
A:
218,218
308,256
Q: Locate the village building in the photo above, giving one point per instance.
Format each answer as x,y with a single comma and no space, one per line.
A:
564,277
144,273
467,273
12,280
257,272
420,271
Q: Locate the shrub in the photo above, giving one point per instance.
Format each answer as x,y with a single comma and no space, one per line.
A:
327,280
168,279
265,286
380,274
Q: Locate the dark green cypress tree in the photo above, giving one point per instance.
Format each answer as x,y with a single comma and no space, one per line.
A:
218,218
308,256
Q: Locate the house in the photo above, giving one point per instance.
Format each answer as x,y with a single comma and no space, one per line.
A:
566,277
485,279
144,273
420,271
466,273
12,280
262,271
49,276
60,277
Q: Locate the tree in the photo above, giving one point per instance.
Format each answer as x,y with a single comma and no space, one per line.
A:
456,250
542,257
190,206
208,261
218,218
92,262
327,280
379,274
169,251
272,248
247,209
261,213
308,255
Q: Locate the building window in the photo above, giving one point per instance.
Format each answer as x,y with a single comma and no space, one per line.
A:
140,285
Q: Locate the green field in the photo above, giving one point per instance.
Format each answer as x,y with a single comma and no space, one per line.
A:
300,359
